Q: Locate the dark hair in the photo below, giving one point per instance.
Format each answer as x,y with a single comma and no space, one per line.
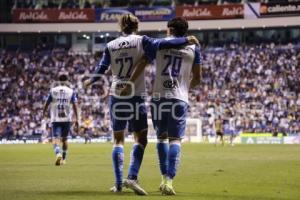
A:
62,77
179,26
129,23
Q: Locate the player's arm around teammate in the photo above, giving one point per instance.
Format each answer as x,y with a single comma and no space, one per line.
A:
144,61
197,74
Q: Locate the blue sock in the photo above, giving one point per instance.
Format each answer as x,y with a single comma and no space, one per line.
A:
136,158
118,163
174,159
56,149
162,151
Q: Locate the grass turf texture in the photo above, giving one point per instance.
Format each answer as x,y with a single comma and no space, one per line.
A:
258,172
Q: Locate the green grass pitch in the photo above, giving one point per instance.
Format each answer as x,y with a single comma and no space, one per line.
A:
258,172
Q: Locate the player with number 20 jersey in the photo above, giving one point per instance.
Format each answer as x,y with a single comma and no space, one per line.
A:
169,104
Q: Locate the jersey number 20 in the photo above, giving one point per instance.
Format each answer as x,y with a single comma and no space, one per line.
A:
173,62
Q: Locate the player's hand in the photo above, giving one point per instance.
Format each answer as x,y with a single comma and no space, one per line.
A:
193,40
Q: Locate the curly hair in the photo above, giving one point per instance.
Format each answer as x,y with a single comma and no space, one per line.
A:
179,26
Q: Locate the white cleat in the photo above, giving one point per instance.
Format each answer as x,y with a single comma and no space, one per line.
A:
133,185
168,190
163,182
161,187
58,159
114,189
63,162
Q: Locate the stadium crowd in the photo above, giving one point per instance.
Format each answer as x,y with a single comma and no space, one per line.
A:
257,85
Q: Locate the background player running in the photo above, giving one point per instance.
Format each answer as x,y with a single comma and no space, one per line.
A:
169,103
122,54
62,100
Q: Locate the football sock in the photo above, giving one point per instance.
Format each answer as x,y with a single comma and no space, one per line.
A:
174,159
118,163
136,157
164,179
64,154
56,149
162,151
169,182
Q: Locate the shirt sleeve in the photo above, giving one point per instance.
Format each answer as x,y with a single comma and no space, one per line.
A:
152,45
197,59
103,65
74,98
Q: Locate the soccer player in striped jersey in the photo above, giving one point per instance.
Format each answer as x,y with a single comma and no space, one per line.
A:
122,54
219,130
63,102
169,102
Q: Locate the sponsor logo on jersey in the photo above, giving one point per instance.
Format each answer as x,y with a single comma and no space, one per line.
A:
169,84
123,45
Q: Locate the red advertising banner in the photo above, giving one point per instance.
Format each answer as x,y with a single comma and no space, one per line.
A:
211,12
53,15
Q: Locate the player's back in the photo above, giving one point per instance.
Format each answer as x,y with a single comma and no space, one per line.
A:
125,52
61,98
173,70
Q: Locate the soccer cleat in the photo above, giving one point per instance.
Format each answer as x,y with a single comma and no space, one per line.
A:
133,185
116,189
168,189
161,186
58,159
63,162
163,182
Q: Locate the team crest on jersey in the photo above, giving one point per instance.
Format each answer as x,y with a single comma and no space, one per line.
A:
169,84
